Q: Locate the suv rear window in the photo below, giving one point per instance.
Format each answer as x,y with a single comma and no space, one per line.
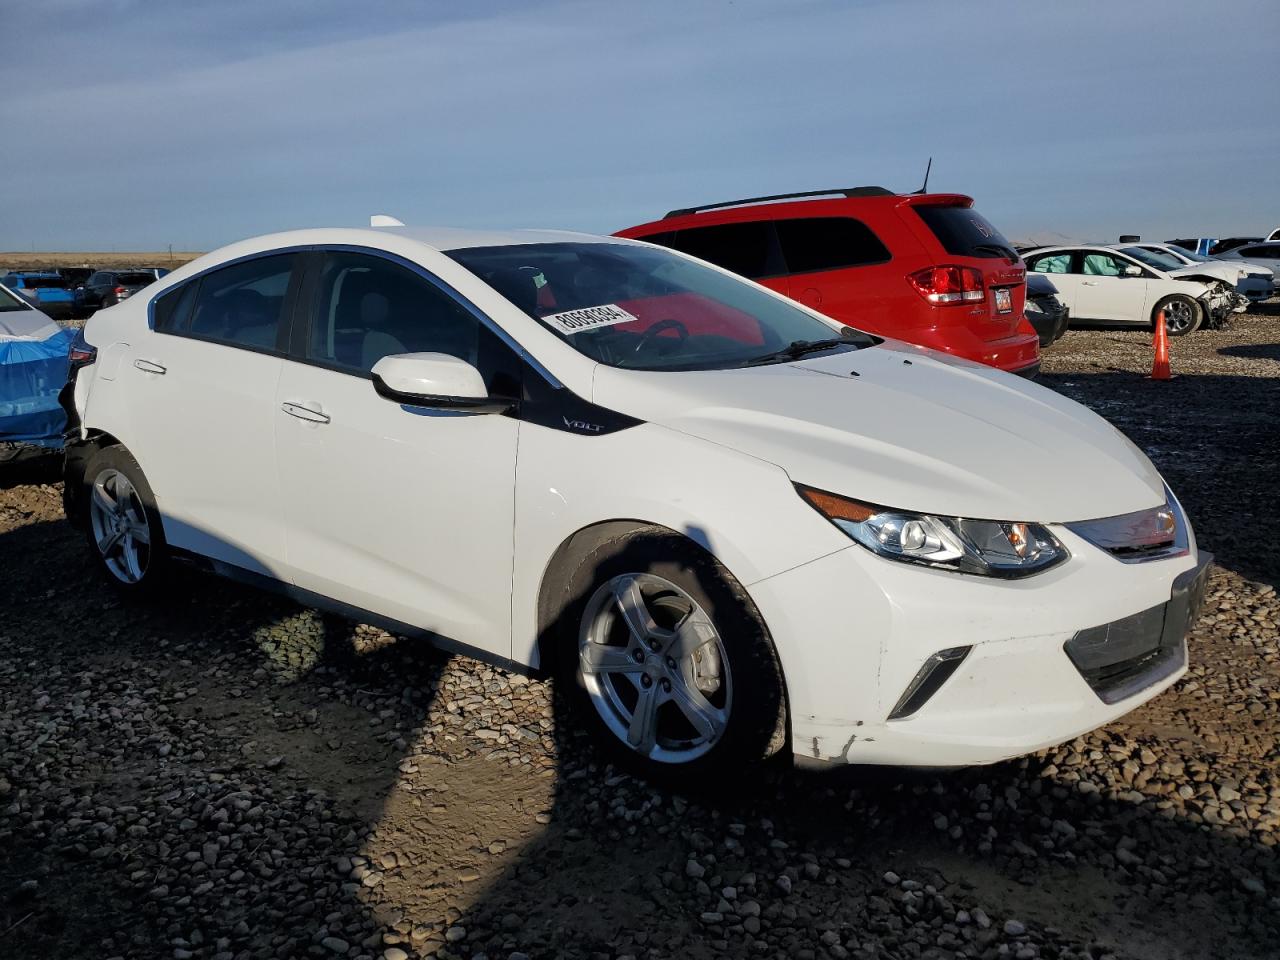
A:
44,283
828,243
134,279
964,232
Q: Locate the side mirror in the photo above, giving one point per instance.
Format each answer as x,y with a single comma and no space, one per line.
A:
435,381
1132,271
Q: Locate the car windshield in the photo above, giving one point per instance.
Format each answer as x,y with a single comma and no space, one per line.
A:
9,303
1161,261
646,308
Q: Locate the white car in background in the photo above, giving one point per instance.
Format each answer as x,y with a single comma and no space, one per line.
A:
1255,282
1265,254
733,527
1101,284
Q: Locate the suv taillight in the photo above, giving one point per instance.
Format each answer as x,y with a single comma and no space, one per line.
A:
82,353
121,292
949,284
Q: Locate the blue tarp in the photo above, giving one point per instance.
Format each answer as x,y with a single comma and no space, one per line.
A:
31,374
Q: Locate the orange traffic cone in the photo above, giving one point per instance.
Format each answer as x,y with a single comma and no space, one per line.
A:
1160,366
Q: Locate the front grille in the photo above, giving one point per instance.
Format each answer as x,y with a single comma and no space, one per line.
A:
1120,658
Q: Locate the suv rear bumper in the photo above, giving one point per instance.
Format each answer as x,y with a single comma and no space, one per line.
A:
1018,354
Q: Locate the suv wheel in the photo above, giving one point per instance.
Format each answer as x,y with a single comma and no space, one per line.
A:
124,530
668,662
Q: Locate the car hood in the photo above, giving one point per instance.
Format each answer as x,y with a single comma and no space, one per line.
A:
1226,272
900,426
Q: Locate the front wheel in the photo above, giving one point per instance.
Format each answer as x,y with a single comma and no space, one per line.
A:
124,530
668,662
1181,315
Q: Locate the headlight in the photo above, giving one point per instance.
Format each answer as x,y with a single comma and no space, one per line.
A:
991,548
1033,307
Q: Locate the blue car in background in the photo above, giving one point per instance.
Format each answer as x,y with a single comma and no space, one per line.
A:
33,367
46,290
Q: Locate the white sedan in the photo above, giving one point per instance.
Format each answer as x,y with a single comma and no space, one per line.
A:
1257,283
732,527
1266,254
1101,284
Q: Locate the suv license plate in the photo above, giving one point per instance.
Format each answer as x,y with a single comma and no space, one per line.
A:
1004,300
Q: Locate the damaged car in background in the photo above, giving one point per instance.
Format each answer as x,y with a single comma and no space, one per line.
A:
1100,284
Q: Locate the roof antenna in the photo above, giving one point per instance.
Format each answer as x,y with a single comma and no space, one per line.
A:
924,187
382,220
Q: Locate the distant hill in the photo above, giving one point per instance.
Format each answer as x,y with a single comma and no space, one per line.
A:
24,260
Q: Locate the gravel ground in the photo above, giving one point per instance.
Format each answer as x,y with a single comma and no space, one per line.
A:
226,775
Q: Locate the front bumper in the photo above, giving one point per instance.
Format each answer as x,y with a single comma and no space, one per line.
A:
1050,324
854,630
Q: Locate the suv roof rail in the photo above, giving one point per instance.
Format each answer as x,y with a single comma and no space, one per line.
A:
842,191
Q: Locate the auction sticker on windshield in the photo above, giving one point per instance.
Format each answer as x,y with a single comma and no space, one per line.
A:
588,318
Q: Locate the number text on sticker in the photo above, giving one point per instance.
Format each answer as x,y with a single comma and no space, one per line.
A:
588,318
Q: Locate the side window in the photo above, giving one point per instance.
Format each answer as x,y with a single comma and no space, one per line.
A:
743,248
1102,265
1270,253
1051,263
172,309
95,280
810,244
242,304
367,308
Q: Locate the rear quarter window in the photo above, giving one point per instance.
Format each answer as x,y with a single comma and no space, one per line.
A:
964,232
810,244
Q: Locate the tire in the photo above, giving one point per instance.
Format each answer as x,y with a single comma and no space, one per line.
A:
714,686
1186,311
123,526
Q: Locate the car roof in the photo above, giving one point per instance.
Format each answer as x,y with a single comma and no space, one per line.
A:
459,238
798,203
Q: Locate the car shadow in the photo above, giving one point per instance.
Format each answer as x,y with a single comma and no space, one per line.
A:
313,762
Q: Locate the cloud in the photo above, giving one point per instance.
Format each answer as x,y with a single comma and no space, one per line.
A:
200,123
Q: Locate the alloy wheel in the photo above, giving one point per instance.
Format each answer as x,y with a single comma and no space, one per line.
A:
654,667
119,523
1178,316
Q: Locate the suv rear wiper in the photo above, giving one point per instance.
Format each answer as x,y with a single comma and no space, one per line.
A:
798,348
1003,251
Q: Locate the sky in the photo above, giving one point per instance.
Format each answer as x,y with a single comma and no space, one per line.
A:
136,124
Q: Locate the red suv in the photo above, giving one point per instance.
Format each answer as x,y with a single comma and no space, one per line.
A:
924,267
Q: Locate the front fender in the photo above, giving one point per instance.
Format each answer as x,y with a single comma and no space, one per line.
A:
742,510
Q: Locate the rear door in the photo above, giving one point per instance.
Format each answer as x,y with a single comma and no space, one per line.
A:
838,265
1107,293
202,387
967,239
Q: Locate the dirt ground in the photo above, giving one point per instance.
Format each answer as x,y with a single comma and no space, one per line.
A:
225,774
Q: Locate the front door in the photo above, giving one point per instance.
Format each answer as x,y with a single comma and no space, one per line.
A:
1105,292
404,512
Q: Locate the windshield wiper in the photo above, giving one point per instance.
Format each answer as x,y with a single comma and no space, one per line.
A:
798,348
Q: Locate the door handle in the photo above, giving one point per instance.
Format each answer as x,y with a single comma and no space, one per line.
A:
149,366
304,412
1088,283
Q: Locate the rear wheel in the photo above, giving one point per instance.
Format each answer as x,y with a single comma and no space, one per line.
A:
124,529
668,662
1181,315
